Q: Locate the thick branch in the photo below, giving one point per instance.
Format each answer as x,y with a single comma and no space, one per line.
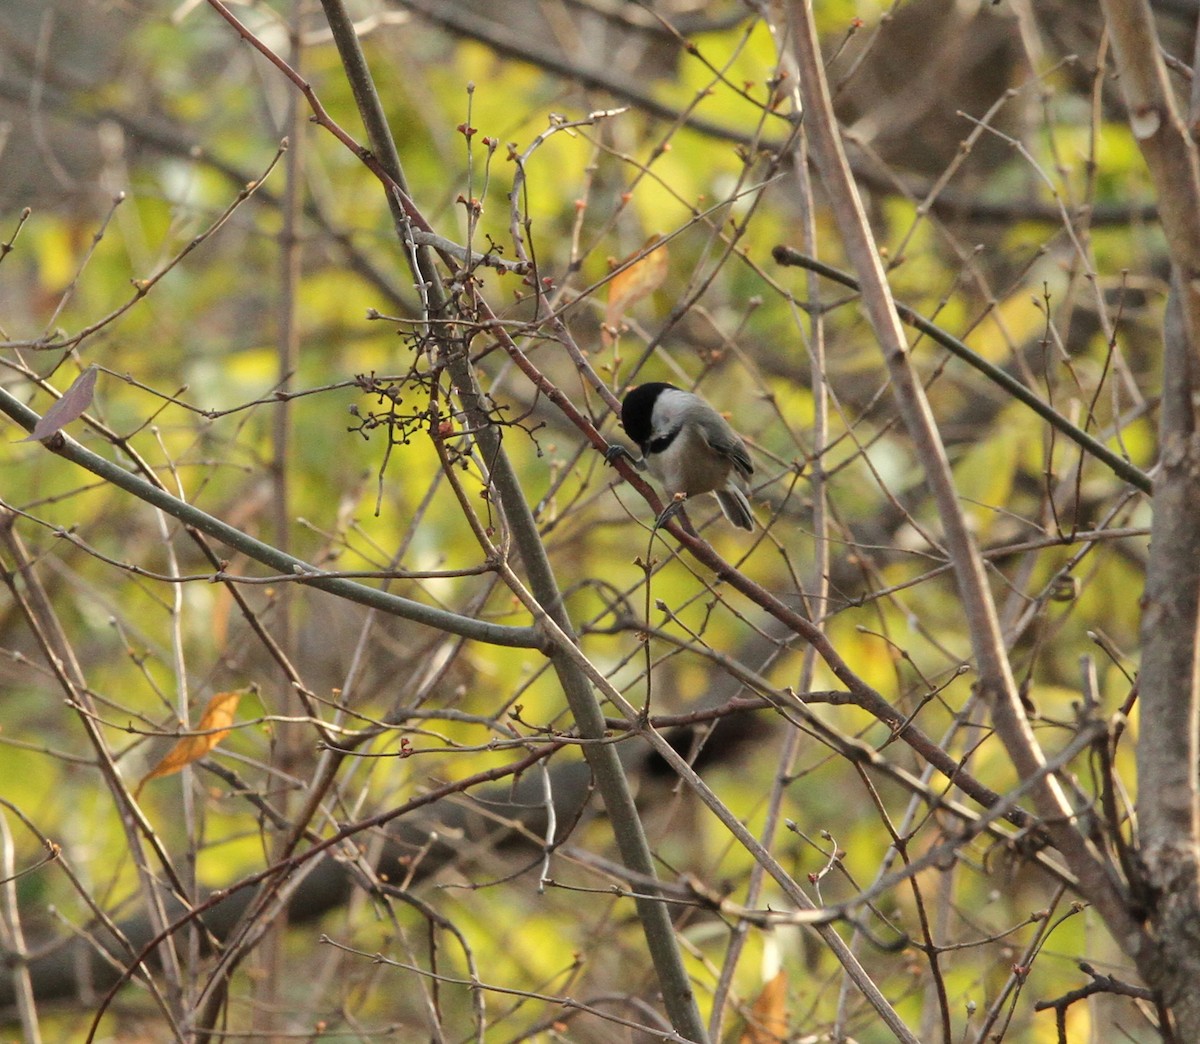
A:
1170,696
1168,783
611,781
996,682
1166,143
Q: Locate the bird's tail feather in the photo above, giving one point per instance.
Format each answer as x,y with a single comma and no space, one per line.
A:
736,507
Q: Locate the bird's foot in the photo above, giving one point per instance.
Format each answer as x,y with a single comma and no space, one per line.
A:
671,510
616,451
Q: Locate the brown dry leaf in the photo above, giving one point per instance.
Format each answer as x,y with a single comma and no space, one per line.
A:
768,1022
75,400
631,284
210,730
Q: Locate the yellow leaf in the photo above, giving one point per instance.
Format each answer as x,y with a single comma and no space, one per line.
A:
639,279
213,727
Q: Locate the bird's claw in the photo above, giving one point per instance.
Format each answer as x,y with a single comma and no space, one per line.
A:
616,451
670,511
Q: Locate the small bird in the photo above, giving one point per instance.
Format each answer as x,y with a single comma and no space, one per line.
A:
689,447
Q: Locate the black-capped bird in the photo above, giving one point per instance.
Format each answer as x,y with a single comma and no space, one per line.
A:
688,447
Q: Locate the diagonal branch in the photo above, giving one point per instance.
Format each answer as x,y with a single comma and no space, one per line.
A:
611,780
373,598
996,683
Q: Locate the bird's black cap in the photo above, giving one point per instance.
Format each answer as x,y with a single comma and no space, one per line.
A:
637,407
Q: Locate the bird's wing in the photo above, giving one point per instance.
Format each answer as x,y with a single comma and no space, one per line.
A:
726,442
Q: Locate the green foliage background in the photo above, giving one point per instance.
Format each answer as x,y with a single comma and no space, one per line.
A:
201,353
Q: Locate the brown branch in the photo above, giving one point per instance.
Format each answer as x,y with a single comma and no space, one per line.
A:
1099,984
996,683
1167,144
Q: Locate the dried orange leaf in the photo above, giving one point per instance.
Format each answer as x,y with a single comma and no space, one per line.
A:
638,280
768,1022
74,401
210,730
